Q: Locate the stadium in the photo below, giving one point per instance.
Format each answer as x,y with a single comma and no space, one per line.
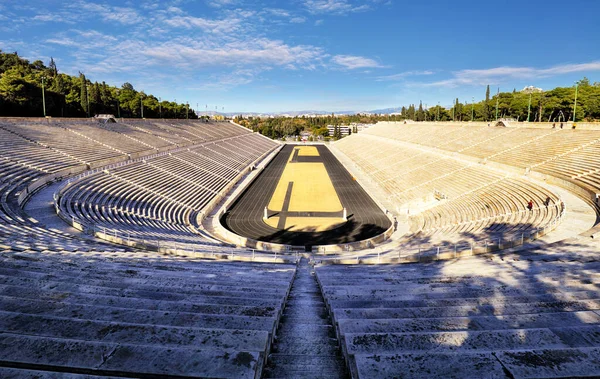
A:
185,248
307,189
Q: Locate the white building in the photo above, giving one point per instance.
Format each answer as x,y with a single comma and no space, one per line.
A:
344,130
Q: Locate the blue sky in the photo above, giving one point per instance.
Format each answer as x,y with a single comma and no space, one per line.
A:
270,56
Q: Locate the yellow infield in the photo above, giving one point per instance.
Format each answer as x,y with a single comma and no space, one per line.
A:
307,151
305,224
312,191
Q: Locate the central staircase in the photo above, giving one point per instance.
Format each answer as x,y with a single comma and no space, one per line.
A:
306,345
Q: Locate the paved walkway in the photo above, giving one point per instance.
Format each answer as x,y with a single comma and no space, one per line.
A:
41,207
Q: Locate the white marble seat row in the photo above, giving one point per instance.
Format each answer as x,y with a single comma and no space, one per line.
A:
475,202
155,200
31,150
431,319
139,316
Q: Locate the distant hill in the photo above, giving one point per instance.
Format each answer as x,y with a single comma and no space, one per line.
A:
298,113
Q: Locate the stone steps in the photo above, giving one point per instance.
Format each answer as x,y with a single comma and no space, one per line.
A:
132,267
400,294
471,323
306,345
206,304
538,363
553,296
468,318
133,334
16,373
132,275
481,341
126,360
196,304
430,365
468,310
338,290
145,319
303,366
141,287
166,317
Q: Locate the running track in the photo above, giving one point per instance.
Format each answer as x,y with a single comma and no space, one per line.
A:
365,218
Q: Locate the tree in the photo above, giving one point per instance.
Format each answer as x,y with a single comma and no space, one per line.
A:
95,101
52,67
12,85
420,112
457,111
83,98
487,114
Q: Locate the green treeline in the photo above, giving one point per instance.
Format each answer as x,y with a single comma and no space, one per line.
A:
555,105
21,85
72,96
279,127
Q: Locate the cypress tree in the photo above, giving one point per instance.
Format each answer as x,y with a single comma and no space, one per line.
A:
420,112
486,106
83,97
52,67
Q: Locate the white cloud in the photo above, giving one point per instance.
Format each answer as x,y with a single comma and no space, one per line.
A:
213,26
403,75
251,52
339,7
170,44
498,75
126,16
352,62
221,3
297,20
175,10
122,15
48,17
278,12
62,41
319,22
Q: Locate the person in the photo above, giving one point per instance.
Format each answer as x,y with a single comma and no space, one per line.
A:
395,224
547,202
554,125
530,205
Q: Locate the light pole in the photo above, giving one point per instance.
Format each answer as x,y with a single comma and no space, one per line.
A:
575,105
142,105
187,110
159,108
529,107
43,97
472,107
437,118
